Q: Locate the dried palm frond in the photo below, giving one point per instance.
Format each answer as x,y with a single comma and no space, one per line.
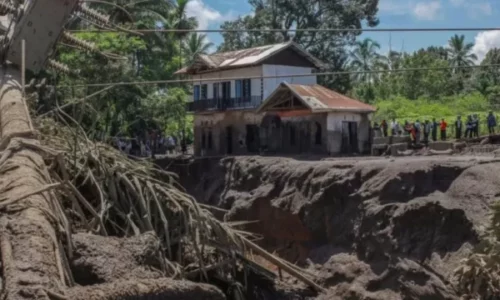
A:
109,193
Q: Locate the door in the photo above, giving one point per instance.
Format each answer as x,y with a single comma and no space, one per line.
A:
349,137
229,140
252,138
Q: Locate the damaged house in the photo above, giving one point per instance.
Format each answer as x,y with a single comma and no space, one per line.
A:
239,105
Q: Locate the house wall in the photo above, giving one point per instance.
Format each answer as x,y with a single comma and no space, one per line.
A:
242,73
217,124
279,140
270,84
334,127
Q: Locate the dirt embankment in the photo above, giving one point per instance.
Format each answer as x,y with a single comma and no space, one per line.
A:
371,228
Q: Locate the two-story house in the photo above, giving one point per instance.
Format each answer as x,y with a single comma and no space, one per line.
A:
234,84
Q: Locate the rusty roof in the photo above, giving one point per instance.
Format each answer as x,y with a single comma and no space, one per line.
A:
244,57
319,99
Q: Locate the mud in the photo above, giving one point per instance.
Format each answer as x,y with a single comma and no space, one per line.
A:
385,228
97,259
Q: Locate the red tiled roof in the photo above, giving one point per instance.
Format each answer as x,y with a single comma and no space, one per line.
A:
331,99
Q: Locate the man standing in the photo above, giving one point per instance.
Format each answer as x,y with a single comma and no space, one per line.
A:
418,130
443,127
394,127
434,126
427,131
458,128
384,126
492,122
475,125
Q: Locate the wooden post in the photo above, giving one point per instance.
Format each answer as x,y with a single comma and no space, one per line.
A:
28,238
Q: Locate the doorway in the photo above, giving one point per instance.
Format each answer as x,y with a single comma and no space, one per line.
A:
229,140
252,138
349,137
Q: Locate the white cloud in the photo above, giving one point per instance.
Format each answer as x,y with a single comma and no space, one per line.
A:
485,41
422,10
427,10
205,14
474,9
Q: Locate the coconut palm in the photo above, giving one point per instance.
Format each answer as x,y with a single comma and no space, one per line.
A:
460,52
364,58
194,45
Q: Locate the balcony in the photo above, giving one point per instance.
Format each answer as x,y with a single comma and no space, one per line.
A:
224,104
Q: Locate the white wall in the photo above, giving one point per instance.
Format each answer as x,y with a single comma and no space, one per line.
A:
334,128
242,73
270,84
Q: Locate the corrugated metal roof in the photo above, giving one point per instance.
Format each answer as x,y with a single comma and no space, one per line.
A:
317,98
251,56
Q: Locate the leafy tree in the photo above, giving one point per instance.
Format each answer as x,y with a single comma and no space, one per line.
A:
194,45
364,58
460,53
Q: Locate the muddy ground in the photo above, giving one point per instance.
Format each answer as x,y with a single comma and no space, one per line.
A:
373,228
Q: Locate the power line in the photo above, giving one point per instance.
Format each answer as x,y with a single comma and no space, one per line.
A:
173,81
299,30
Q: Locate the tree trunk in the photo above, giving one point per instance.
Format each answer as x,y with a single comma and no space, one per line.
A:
30,254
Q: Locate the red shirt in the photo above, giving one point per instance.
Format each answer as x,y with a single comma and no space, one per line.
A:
443,125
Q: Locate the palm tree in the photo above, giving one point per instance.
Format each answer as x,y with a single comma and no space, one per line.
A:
460,52
194,45
364,58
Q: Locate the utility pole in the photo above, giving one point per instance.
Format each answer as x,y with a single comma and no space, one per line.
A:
34,262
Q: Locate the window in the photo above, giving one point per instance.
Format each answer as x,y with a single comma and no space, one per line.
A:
243,89
196,92
204,91
226,90
203,140
216,91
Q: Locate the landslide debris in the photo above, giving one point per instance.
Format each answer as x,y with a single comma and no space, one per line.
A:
367,228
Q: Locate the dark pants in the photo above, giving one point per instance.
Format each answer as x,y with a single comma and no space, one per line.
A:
385,131
476,131
458,133
443,135
426,137
491,129
434,135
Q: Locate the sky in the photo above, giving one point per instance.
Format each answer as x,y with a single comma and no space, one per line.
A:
392,14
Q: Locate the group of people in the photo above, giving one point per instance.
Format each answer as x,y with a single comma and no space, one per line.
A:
152,144
429,129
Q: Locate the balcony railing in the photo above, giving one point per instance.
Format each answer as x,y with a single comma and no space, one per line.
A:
224,104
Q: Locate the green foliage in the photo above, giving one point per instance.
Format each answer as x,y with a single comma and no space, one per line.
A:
129,109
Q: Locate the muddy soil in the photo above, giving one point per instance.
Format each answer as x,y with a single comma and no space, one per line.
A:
379,228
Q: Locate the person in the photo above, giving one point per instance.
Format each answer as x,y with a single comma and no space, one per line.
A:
468,127
427,131
434,127
417,129
407,128
383,125
458,128
395,127
443,126
128,147
413,132
475,125
170,144
492,122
